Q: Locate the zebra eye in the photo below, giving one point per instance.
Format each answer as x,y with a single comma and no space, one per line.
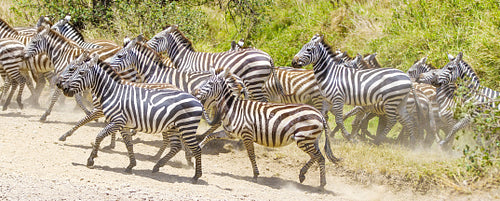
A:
81,72
119,56
308,49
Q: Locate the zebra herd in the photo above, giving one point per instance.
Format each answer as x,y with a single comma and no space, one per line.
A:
162,85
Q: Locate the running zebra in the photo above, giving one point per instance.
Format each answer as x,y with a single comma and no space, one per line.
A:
457,68
97,109
40,65
381,91
166,111
253,66
61,51
11,66
268,124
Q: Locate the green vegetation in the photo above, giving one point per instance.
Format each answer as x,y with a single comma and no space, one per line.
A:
401,32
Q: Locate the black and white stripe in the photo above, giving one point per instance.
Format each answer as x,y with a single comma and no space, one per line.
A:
61,51
253,66
456,69
267,124
381,91
167,111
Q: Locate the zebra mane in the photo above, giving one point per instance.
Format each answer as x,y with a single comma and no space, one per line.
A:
467,70
181,38
57,36
144,46
64,24
5,25
104,66
331,52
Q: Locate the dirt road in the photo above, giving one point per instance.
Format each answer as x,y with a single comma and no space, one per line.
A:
34,165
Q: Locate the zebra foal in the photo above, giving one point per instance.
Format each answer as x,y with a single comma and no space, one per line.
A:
268,124
146,110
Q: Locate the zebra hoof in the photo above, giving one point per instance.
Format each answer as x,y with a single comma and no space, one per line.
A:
62,138
43,118
90,163
128,170
302,178
156,169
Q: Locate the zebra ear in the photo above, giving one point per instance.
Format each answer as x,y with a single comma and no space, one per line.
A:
140,37
94,58
450,57
67,18
126,40
423,60
459,57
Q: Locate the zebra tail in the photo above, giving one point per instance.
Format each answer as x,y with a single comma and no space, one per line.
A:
419,112
328,149
276,81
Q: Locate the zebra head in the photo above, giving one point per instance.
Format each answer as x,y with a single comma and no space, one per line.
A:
451,71
429,77
124,58
219,82
77,79
417,68
310,52
43,21
38,43
70,69
160,42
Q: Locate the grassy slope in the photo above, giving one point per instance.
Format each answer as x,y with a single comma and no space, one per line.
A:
400,32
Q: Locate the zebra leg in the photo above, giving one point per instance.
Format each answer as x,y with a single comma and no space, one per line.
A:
5,88
448,141
93,115
364,125
248,141
212,136
11,93
109,129
78,98
313,150
53,100
339,120
19,101
127,139
166,141
189,139
175,147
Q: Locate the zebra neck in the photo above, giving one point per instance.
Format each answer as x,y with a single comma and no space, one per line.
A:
102,84
70,32
61,55
7,31
226,101
149,65
325,64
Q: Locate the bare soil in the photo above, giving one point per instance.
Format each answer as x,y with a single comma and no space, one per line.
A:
34,165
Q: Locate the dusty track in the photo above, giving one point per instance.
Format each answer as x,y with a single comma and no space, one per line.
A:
34,165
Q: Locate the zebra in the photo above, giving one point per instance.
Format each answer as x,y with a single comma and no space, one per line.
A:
455,69
148,64
39,62
252,65
60,51
11,69
268,124
147,110
381,91
97,111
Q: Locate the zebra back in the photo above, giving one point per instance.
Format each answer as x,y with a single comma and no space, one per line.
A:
148,64
299,86
252,65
